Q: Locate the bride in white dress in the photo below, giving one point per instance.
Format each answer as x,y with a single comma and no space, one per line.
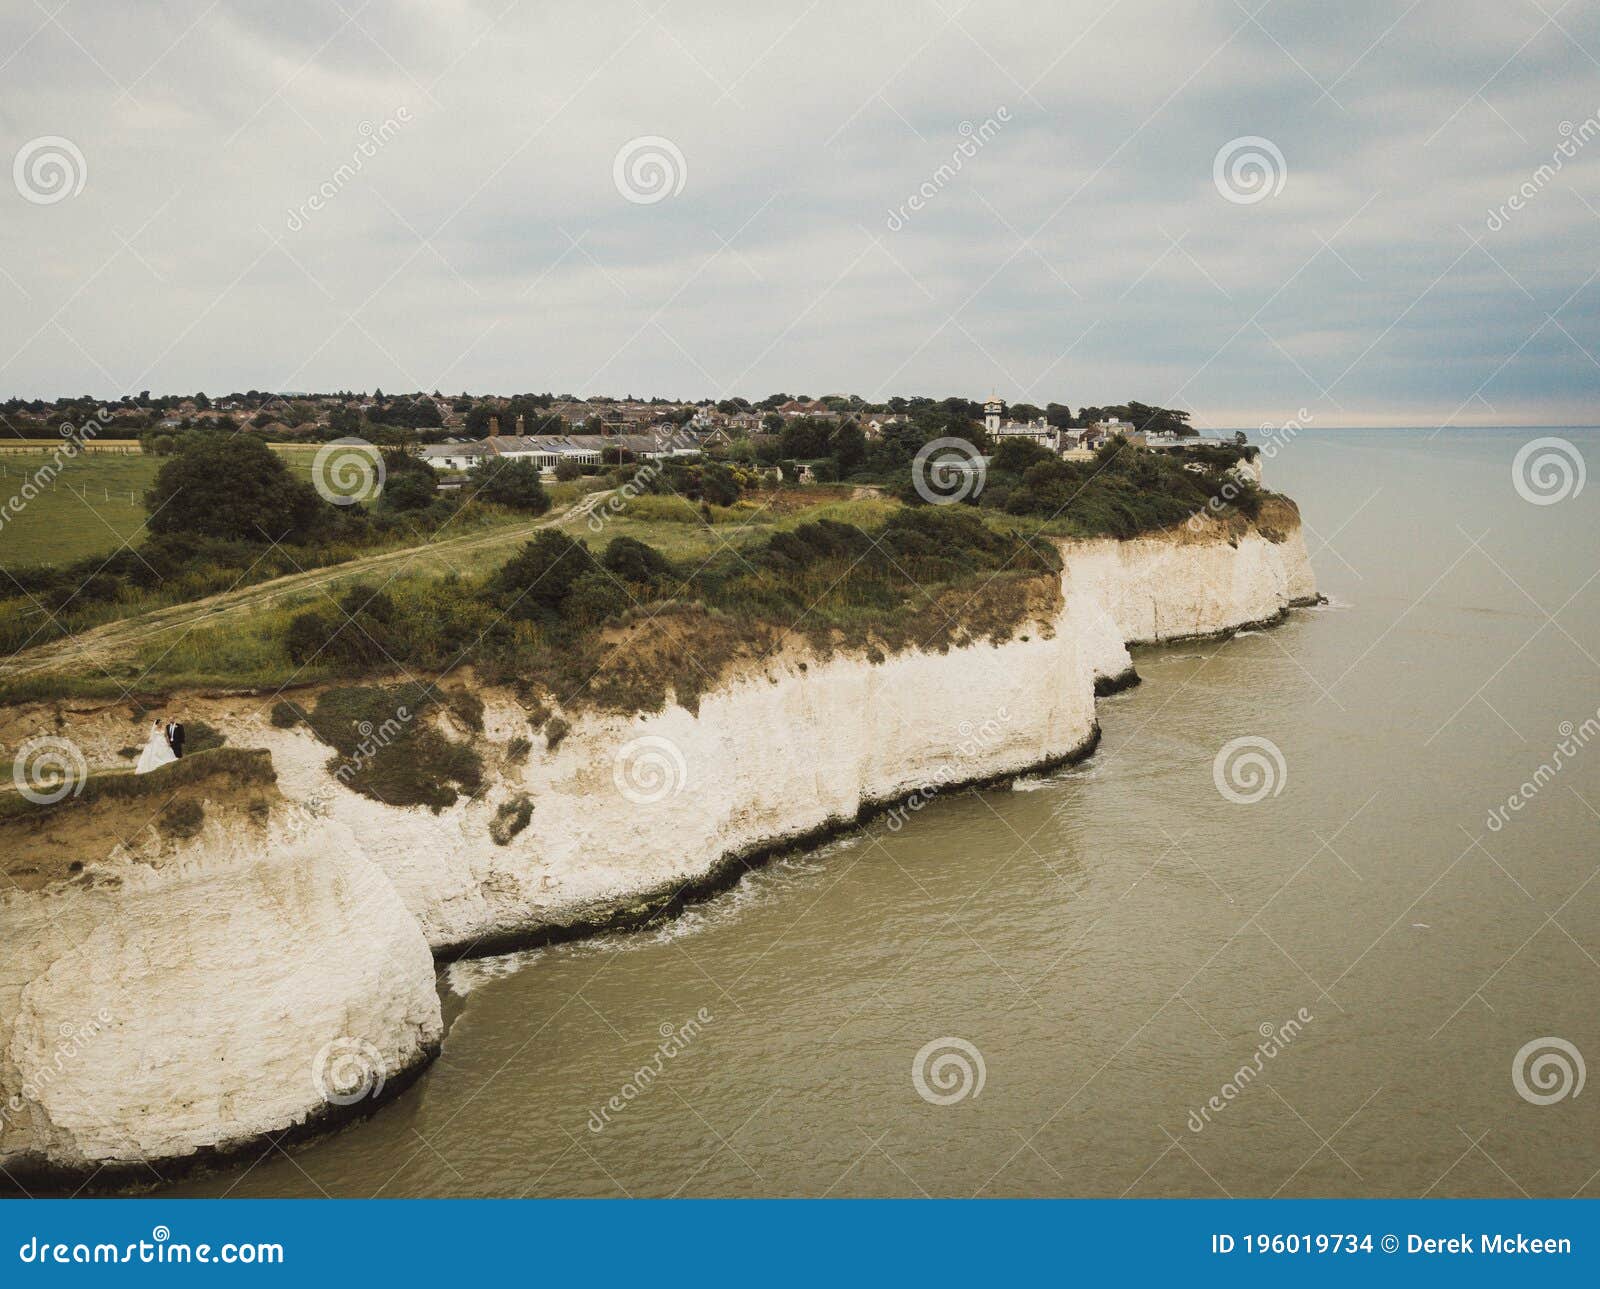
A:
157,752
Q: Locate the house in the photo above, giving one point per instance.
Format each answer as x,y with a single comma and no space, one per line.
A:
874,425
795,407
1039,431
454,456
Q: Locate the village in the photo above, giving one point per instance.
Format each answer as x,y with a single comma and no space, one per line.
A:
654,431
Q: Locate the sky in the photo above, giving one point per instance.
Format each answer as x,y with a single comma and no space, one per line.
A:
1337,214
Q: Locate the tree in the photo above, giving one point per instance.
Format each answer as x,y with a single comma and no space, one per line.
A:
806,438
849,446
510,481
1016,455
231,487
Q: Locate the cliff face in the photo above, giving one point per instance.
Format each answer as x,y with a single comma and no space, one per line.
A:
248,974
182,997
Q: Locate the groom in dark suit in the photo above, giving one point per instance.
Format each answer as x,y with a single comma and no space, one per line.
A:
175,738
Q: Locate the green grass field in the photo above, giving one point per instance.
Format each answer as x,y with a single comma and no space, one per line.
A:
95,502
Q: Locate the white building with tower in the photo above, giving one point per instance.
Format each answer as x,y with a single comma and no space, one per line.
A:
998,428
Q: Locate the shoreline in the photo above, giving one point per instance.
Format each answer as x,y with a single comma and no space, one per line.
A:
602,914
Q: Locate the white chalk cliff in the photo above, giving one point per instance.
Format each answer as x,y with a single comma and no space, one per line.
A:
230,981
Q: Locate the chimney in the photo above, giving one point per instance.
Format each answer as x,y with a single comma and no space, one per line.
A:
494,427
522,423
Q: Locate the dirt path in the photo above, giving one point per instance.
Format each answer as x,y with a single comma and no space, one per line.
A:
123,637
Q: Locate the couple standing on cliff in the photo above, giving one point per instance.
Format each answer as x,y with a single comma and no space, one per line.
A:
164,745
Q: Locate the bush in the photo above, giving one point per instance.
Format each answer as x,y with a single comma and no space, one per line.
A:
410,491
1016,455
286,715
358,636
594,598
509,819
182,818
534,582
513,482
388,751
633,561
200,737
567,471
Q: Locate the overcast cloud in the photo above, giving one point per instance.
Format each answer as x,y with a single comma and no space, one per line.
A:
1082,252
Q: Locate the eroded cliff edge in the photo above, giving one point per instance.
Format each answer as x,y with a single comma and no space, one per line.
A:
175,988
